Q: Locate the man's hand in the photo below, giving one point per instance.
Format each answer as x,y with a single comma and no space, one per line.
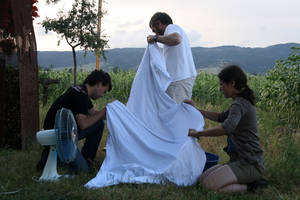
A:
193,133
150,39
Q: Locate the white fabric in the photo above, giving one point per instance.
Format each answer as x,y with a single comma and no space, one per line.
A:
147,141
179,59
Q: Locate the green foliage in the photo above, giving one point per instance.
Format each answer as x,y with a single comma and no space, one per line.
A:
78,28
281,91
121,84
256,83
286,164
279,85
65,81
206,89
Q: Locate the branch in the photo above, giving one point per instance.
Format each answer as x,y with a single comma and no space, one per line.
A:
76,45
68,42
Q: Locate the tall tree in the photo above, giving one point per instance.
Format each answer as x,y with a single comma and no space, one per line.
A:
79,28
19,99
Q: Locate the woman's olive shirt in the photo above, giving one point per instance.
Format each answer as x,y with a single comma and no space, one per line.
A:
240,124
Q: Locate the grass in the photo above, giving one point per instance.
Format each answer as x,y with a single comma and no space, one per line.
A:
282,157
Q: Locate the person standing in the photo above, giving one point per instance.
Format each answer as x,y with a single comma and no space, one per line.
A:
177,53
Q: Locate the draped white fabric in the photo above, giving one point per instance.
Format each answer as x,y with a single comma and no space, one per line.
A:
148,140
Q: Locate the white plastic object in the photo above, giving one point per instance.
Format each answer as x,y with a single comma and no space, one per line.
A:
46,137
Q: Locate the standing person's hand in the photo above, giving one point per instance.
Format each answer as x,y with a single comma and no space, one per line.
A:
193,133
150,39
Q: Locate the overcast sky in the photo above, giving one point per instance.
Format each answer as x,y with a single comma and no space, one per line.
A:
208,23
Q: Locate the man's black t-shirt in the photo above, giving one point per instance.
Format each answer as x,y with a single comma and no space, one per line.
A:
75,99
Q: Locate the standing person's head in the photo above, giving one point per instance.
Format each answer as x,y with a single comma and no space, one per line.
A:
233,83
159,21
98,83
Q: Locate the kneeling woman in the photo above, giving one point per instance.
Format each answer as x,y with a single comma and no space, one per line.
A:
239,123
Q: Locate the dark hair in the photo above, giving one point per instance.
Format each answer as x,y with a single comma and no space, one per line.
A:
164,18
98,76
236,74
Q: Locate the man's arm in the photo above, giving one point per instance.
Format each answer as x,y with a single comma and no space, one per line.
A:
84,121
92,111
170,40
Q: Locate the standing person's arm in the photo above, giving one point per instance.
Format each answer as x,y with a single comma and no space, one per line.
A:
170,39
214,116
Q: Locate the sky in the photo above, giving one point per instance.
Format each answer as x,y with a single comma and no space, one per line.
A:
208,23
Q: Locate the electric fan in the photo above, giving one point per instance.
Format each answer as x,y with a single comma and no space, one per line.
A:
62,141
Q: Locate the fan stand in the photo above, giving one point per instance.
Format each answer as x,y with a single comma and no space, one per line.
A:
50,171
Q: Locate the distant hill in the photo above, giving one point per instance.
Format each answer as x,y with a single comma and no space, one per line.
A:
253,60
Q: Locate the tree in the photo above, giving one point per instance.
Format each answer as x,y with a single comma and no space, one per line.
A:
19,108
78,28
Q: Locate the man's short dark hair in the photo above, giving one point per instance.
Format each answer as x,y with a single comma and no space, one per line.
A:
98,76
164,18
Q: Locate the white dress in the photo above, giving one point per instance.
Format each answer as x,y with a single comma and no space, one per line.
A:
147,141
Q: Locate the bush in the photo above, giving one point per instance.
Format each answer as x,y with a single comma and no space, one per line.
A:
281,91
206,89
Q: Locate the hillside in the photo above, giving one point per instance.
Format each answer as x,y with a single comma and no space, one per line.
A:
253,60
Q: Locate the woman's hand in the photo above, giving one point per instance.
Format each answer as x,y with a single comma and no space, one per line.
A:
193,133
187,101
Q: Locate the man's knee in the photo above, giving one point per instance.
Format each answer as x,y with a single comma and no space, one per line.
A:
95,130
98,128
100,124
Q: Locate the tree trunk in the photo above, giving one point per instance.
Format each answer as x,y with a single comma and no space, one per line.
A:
28,70
75,65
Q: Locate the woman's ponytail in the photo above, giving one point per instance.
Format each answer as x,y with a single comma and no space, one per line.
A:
248,94
235,73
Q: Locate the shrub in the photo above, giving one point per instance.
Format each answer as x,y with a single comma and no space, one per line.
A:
281,91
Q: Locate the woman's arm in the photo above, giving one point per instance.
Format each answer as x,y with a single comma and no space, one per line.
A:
207,114
214,131
210,115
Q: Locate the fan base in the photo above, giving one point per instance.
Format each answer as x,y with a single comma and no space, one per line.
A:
50,170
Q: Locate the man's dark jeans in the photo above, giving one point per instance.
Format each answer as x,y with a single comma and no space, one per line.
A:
92,135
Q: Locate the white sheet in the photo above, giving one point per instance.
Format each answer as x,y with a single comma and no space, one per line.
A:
148,140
